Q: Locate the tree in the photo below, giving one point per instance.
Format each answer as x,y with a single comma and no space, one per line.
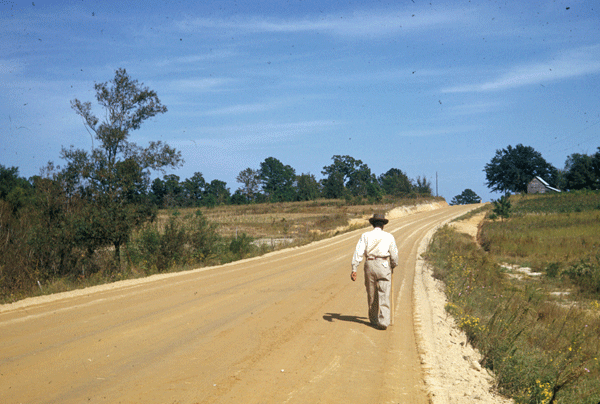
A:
363,183
395,182
580,173
194,189
14,189
334,185
511,169
250,180
307,187
347,176
114,175
216,193
467,197
158,191
422,186
596,165
339,174
278,180
502,207
174,192
238,198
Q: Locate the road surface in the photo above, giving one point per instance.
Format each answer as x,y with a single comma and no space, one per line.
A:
289,327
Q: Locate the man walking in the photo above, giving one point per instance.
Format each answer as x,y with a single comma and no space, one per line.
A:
379,248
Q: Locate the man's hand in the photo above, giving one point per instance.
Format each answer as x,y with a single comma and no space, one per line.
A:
353,276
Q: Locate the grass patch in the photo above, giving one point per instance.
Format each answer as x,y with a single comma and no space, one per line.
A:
542,349
540,239
566,202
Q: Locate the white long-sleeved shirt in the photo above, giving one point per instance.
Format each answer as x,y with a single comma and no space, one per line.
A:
375,243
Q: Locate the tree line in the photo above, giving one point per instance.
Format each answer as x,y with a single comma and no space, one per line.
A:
274,181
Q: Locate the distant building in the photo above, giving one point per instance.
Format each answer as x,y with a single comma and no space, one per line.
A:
539,186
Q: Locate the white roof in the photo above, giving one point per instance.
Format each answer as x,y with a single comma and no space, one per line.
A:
547,185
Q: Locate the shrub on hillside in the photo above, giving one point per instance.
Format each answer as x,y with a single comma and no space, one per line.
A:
586,274
181,241
241,246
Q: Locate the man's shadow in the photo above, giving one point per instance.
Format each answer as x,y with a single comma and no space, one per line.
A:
352,319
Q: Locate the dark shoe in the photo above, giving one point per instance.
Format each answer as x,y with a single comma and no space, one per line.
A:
381,327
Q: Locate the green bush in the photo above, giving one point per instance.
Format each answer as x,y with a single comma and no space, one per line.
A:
586,274
552,270
182,241
241,246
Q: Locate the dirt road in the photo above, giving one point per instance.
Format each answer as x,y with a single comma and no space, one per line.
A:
289,327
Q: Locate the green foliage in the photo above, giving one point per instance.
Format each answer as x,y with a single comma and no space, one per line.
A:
582,171
170,192
241,246
308,188
502,207
347,177
277,180
585,273
113,177
41,239
511,169
203,239
337,175
468,196
194,190
422,186
16,273
363,183
395,182
216,193
13,189
190,240
250,180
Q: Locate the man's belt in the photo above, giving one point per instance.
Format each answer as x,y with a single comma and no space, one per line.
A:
377,258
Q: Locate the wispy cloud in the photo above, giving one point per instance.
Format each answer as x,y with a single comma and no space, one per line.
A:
570,64
243,136
355,24
473,108
197,58
201,84
452,130
240,109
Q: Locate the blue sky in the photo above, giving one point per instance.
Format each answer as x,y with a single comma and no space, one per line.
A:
424,86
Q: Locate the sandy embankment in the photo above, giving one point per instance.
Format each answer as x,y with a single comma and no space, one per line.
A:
452,370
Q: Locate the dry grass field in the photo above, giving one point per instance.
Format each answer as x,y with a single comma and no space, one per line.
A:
294,222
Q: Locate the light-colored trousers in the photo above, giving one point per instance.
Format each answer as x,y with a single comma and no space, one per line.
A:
378,276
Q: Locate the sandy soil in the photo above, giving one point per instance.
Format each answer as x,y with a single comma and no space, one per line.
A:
288,327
